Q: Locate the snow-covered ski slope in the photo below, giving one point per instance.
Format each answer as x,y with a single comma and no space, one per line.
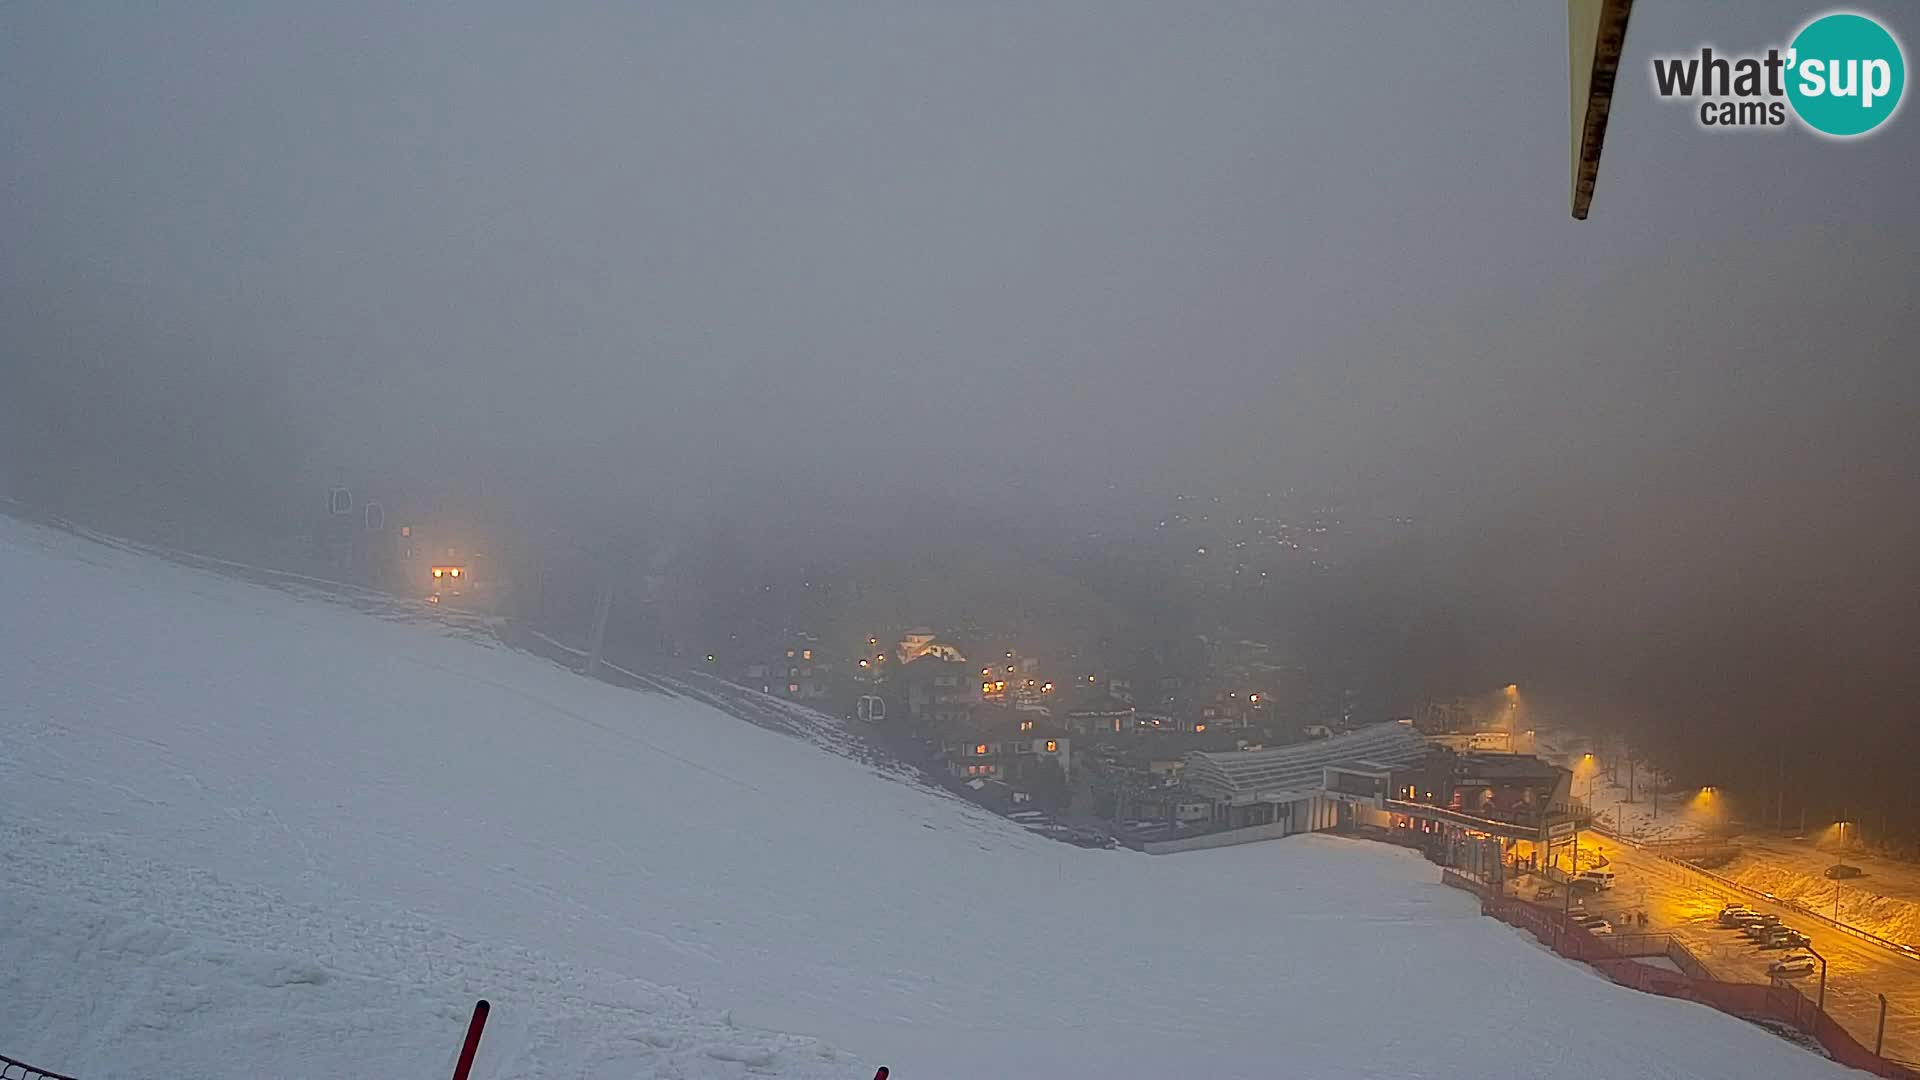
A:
249,834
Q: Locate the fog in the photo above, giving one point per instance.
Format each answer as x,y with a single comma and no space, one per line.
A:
860,276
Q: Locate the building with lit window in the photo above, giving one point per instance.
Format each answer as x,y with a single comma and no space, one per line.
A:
1285,788
1006,744
794,667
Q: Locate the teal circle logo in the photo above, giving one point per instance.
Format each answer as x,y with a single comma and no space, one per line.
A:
1846,75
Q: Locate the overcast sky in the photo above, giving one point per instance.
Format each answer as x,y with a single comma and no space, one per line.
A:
1207,244
705,249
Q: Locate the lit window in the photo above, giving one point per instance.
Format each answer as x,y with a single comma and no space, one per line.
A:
1199,728
793,688
1052,746
980,750
789,654
806,654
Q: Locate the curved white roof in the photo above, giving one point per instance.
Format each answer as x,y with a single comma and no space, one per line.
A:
1299,768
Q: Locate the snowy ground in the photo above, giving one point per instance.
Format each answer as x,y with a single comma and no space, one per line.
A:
1882,901
252,834
1676,816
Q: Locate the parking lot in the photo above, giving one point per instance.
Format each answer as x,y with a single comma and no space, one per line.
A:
1687,905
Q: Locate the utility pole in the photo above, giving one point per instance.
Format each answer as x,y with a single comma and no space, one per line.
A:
598,639
1822,1004
1880,1036
1780,794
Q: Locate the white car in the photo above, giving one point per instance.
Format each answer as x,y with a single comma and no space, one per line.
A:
1595,879
1794,964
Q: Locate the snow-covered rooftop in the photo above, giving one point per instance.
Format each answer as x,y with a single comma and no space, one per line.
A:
1300,768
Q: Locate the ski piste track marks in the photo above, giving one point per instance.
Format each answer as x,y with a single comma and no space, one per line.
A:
216,929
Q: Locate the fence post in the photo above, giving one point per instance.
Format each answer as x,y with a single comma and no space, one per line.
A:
479,1021
1880,1036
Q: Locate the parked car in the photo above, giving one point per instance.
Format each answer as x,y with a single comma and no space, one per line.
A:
1786,938
1760,931
1732,917
1594,879
1792,964
1591,923
1844,870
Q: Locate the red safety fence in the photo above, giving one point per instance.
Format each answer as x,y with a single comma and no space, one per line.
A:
1749,1001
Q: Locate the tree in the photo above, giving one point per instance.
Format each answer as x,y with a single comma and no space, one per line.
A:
1047,785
